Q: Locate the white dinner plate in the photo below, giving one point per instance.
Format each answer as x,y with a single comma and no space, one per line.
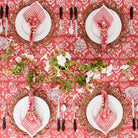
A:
94,107
23,28
41,109
93,31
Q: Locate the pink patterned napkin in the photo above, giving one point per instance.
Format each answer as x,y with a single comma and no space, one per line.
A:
31,121
103,19
34,15
105,118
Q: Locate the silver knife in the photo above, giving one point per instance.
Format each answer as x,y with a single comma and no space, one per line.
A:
6,20
60,22
133,115
58,116
74,116
76,24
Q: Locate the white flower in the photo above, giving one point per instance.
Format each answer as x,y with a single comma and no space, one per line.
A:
30,57
79,90
96,76
124,67
68,56
18,59
47,66
108,70
87,79
104,70
61,60
33,79
131,77
91,87
27,87
90,74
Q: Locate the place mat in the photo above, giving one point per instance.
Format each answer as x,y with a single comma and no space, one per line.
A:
45,41
116,44
87,97
21,94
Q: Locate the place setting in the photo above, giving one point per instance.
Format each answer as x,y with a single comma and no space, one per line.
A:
4,18
34,23
104,27
56,95
132,92
104,112
31,112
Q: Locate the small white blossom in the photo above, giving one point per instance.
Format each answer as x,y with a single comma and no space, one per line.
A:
96,76
131,77
61,60
33,79
47,66
90,74
27,87
18,59
124,67
104,70
87,79
68,56
108,70
79,90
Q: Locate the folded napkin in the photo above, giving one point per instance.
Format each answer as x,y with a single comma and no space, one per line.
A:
103,18
31,121
105,118
34,15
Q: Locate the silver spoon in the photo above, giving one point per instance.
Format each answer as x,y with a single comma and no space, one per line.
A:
63,109
71,30
1,18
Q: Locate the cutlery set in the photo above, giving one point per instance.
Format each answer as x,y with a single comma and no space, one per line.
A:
63,109
132,31
71,29
6,20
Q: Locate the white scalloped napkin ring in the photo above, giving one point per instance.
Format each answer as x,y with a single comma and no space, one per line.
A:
103,18
31,121
105,118
34,15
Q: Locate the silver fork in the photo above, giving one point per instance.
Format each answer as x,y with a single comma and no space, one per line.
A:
132,30
4,115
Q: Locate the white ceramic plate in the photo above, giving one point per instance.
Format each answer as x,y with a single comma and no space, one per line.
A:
93,31
94,107
23,28
41,109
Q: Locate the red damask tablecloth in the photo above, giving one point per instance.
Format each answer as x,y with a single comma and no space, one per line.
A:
10,84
